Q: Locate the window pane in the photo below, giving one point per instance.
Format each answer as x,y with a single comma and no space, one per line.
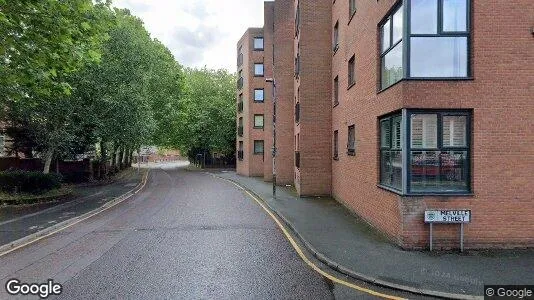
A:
424,174
424,131
391,169
386,29
454,15
258,121
385,134
396,130
397,25
392,66
448,59
258,43
424,16
385,168
258,146
258,95
454,176
454,131
258,69
396,169
351,138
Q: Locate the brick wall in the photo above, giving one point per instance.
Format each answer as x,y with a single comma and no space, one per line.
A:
313,88
500,96
284,33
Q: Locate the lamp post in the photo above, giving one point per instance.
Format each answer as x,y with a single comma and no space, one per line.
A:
274,134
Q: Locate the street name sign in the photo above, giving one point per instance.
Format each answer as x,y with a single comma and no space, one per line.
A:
448,216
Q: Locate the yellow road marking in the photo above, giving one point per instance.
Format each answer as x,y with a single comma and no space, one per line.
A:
303,256
81,220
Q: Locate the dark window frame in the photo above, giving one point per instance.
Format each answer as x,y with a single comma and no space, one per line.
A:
352,9
336,90
406,149
259,101
263,70
351,140
254,121
254,147
335,40
262,42
406,40
335,143
351,71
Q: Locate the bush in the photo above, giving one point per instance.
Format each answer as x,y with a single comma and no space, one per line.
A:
76,177
28,182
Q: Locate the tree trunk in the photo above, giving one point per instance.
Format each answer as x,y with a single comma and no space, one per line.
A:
118,157
103,163
124,157
48,160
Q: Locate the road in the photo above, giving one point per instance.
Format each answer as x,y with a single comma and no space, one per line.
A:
188,235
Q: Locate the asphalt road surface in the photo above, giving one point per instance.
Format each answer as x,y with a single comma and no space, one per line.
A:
188,235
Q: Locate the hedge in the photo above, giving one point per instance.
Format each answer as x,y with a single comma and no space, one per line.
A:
28,182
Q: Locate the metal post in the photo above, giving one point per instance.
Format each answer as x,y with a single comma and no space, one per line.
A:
274,139
430,236
274,133
461,237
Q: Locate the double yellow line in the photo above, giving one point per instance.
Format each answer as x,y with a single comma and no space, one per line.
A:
303,256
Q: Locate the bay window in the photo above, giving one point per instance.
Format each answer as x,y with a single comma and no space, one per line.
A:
436,27
433,157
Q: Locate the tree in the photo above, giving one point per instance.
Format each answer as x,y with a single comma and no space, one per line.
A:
42,44
206,120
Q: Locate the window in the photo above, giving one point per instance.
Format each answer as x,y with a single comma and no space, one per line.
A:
240,152
258,69
391,32
352,71
258,147
297,65
240,127
240,103
351,142
438,152
297,19
258,121
440,27
240,56
336,144
240,80
336,90
258,43
352,8
335,43
391,152
259,95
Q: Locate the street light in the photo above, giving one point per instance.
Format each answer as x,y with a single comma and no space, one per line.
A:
274,134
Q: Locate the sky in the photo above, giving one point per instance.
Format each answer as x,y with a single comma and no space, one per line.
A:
200,32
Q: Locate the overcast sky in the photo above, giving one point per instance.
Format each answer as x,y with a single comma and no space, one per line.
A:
198,32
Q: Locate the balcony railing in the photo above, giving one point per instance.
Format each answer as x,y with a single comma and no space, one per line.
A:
297,112
240,83
297,159
240,106
240,155
240,130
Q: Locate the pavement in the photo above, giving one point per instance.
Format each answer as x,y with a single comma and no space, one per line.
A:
186,235
19,222
341,240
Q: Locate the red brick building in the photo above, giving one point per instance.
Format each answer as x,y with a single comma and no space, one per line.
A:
405,106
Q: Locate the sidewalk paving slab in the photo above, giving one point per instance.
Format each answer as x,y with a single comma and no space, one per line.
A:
340,238
24,222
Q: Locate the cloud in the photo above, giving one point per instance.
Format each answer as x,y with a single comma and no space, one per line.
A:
201,32
190,45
